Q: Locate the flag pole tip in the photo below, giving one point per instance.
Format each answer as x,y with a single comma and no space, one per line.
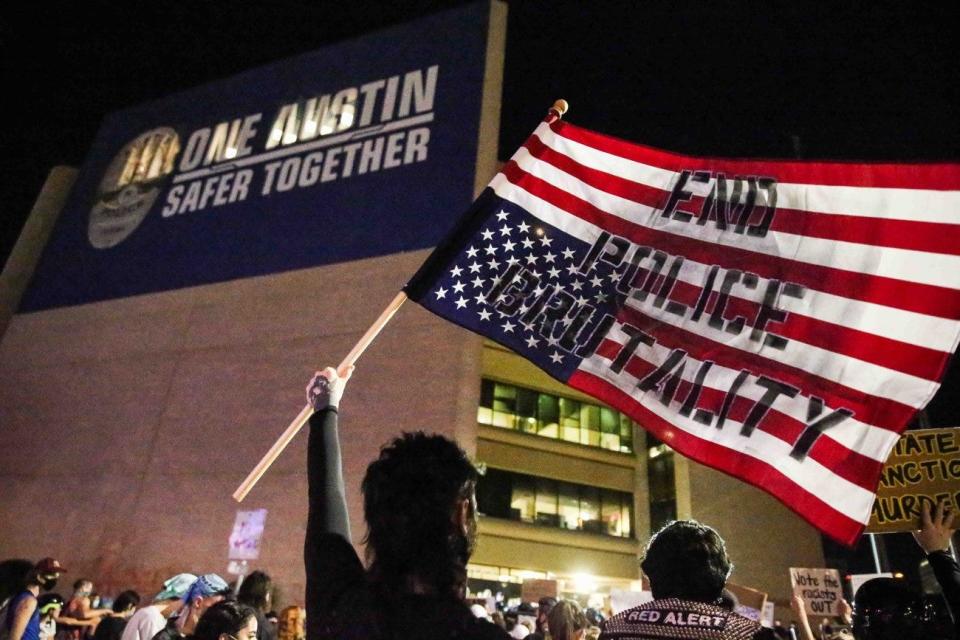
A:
560,106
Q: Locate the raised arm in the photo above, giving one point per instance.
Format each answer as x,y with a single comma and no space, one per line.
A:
328,502
332,566
934,538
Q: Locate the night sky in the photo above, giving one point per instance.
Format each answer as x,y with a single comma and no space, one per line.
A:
857,81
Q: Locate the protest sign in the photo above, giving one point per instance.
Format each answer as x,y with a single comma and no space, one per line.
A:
534,589
622,599
820,589
750,601
768,615
923,468
247,534
857,580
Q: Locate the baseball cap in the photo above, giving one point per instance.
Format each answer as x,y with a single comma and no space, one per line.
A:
209,584
49,565
176,586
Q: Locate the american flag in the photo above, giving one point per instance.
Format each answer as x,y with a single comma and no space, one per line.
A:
782,322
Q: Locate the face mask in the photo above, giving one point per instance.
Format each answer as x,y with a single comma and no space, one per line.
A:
48,583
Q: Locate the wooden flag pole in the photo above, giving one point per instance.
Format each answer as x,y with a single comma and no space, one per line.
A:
553,114
304,415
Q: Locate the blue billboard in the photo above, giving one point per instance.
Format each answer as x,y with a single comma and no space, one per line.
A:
364,148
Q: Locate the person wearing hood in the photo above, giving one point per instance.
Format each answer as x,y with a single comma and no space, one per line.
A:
150,620
206,591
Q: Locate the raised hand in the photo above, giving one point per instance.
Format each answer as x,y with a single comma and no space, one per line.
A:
326,387
935,531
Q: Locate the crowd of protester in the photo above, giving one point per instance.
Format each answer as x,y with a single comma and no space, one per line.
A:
187,606
420,511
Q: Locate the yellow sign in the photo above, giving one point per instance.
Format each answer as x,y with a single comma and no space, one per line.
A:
923,468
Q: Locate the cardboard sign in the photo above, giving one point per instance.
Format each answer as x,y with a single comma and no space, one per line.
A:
247,534
534,589
923,468
751,601
820,589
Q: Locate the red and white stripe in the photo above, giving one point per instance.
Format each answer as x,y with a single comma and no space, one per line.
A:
877,248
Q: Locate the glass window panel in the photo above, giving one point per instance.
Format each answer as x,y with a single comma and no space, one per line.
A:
609,421
590,417
590,510
521,501
610,441
626,516
569,506
493,493
626,433
610,512
570,419
485,409
591,438
660,477
486,393
484,415
549,413
590,424
547,502
527,410
504,405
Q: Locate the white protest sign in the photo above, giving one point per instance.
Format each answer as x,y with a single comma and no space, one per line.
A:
768,614
820,589
857,579
621,599
237,568
246,535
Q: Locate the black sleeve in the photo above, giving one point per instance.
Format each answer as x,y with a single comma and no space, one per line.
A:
948,575
332,567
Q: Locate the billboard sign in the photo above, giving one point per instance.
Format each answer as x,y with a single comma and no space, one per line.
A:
364,148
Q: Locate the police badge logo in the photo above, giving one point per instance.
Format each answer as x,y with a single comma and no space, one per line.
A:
130,186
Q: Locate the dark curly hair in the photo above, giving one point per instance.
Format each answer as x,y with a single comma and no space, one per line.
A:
687,560
226,617
409,496
254,590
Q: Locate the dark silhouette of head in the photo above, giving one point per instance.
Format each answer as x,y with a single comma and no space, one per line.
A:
227,617
418,500
127,600
687,560
888,609
255,591
13,576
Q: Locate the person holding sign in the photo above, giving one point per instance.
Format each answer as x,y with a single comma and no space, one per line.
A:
420,509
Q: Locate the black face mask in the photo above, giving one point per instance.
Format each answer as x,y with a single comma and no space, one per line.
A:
47,584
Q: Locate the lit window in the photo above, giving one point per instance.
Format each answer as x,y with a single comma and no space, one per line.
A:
519,409
548,503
